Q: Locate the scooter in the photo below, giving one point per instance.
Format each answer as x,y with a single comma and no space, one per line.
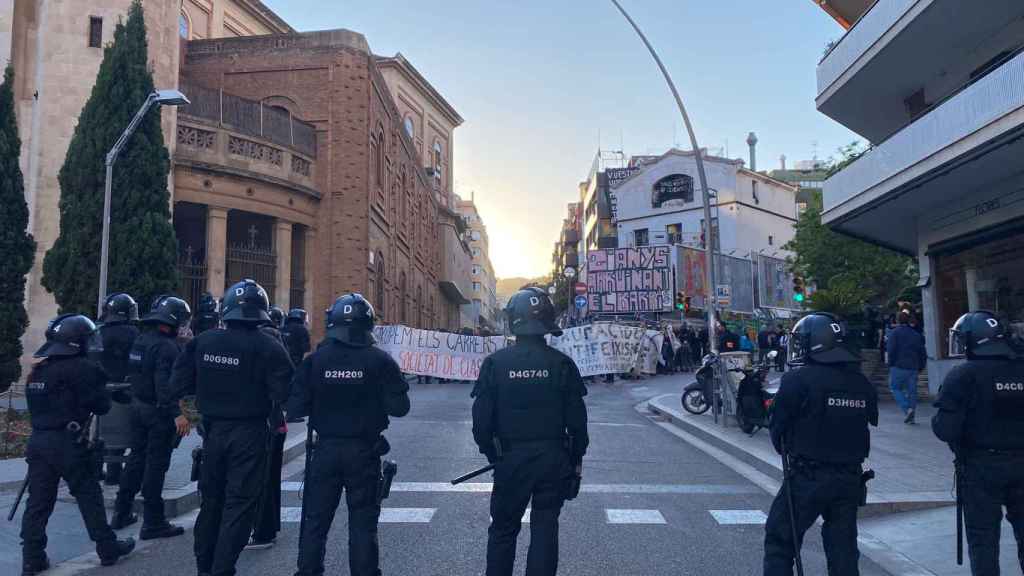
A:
697,395
753,399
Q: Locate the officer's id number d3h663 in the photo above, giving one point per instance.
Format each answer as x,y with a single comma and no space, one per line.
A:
523,374
343,374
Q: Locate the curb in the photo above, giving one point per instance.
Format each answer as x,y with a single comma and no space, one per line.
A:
878,505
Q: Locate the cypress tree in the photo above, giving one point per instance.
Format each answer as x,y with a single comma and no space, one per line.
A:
143,248
16,245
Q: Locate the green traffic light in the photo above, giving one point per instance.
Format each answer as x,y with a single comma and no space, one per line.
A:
798,297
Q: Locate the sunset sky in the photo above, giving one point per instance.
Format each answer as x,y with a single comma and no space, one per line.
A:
543,83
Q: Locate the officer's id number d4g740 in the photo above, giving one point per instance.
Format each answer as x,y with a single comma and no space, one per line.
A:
524,374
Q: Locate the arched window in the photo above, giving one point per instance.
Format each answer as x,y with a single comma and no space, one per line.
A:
378,158
184,26
420,306
379,298
438,159
410,126
405,200
403,299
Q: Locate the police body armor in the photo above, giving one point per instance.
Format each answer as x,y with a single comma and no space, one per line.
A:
142,360
834,426
530,402
226,362
348,400
50,394
999,392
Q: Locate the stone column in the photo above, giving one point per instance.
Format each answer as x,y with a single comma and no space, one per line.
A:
216,249
309,253
283,249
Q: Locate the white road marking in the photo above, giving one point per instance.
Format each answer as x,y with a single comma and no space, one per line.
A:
626,516
730,517
486,487
525,519
387,515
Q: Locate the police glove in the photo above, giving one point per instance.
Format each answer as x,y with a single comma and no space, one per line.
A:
573,482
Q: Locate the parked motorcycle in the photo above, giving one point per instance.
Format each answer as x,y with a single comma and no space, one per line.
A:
753,399
697,396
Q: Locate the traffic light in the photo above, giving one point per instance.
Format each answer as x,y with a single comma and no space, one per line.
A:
799,289
680,300
686,305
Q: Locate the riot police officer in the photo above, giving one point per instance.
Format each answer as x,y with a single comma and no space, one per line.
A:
348,388
820,423
238,374
156,420
981,417
207,317
529,419
276,317
62,391
117,334
296,336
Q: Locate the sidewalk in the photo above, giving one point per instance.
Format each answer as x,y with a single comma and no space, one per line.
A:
67,538
908,526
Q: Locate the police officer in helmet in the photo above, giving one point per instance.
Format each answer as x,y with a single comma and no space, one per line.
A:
981,416
276,317
820,422
207,315
117,333
348,388
238,375
62,391
529,420
296,335
156,420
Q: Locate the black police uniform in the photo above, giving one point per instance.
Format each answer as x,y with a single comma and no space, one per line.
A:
981,416
62,392
118,339
821,414
203,322
268,512
530,398
238,374
153,432
296,339
348,392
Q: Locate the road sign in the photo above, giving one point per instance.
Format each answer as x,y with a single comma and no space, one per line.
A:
569,272
581,301
723,294
581,288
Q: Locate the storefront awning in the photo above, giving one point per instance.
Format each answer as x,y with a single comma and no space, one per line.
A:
452,292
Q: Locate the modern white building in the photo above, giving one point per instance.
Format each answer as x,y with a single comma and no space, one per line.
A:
661,204
484,282
937,88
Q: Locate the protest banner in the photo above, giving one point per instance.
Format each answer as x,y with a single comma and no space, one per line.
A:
437,354
628,280
650,352
603,347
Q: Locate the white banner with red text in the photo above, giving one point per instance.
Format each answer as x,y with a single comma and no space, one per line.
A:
437,354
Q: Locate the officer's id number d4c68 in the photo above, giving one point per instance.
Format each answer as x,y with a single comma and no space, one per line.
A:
524,374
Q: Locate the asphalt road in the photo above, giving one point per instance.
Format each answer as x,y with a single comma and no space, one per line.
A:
648,508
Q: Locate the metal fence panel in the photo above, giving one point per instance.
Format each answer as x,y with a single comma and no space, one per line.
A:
256,262
277,125
241,114
205,102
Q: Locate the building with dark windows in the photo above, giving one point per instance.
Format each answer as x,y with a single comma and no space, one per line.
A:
940,98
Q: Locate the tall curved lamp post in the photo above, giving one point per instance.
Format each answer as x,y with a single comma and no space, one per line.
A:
709,241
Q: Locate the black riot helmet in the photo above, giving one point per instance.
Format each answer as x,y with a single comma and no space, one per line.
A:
276,316
245,302
981,334
820,338
170,311
296,315
531,313
119,308
67,335
350,320
207,305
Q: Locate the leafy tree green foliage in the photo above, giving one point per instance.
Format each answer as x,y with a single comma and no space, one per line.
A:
16,245
142,243
848,272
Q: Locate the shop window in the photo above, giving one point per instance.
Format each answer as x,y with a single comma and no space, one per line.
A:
95,32
988,276
641,237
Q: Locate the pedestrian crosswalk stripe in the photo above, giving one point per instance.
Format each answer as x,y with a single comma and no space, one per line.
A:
728,517
387,515
406,515
485,487
626,516
525,519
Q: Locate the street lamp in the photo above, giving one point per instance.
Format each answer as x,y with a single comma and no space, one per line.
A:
709,250
158,98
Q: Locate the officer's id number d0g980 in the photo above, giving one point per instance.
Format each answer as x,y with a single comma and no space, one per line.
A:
523,374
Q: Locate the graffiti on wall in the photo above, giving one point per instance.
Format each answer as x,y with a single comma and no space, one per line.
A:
627,280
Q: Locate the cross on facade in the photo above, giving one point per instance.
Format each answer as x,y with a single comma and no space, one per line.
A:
253,233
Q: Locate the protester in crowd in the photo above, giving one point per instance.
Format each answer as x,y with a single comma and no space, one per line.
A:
746,344
781,342
685,356
667,354
764,343
729,341
906,358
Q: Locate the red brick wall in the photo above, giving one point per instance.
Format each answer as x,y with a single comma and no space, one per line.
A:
334,84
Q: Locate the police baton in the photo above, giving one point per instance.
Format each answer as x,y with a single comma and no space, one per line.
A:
957,481
473,474
17,500
787,485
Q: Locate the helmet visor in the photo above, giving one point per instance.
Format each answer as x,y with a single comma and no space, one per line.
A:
796,350
957,344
